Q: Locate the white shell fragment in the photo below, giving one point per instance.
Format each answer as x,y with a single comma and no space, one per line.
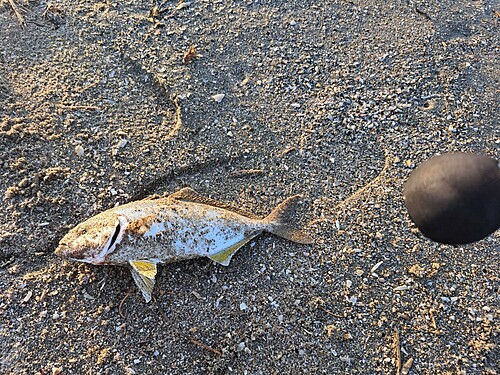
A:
376,266
218,97
353,300
122,143
401,288
79,151
27,297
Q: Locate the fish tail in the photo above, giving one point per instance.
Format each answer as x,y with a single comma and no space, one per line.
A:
279,222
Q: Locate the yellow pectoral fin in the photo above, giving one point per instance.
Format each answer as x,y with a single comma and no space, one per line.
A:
144,272
224,257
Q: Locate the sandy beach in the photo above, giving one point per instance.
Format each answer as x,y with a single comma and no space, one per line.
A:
103,103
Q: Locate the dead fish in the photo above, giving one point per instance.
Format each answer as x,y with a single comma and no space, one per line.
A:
183,225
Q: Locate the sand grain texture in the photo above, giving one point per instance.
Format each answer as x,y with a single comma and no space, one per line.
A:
337,101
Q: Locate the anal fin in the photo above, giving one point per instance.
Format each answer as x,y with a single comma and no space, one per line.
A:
144,273
224,257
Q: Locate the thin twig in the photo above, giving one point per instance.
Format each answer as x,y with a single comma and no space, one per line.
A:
204,346
18,14
288,150
422,13
330,313
433,320
405,369
397,352
88,86
320,220
121,304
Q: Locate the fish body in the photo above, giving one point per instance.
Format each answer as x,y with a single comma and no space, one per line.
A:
181,226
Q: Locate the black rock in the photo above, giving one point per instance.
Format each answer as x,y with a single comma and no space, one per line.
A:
455,198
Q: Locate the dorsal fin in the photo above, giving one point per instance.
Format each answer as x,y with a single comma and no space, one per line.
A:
151,197
190,195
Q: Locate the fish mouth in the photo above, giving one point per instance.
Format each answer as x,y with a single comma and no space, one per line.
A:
64,251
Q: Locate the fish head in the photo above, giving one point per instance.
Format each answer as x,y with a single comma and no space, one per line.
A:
93,240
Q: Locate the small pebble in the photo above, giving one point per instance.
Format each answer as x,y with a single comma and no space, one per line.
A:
352,300
79,150
218,97
28,296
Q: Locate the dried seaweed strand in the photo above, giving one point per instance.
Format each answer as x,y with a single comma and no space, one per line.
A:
387,163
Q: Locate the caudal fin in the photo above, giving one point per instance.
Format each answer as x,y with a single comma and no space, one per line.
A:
280,222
